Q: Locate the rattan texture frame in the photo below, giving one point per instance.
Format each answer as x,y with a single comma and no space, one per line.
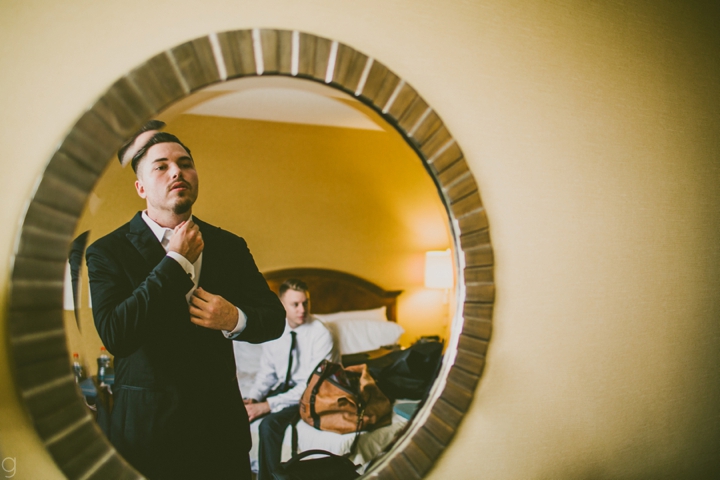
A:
37,341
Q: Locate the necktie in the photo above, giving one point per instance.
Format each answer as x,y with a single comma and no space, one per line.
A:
167,234
286,385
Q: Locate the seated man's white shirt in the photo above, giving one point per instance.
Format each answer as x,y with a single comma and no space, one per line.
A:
163,234
313,343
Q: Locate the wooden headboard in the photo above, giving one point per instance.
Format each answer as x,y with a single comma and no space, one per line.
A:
334,291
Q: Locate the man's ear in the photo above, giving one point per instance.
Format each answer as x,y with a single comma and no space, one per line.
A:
140,188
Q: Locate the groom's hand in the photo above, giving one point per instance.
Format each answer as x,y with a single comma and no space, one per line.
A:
187,241
212,311
257,410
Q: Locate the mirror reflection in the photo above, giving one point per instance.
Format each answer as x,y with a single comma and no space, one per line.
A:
324,192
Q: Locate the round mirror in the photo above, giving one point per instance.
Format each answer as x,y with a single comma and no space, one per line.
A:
320,171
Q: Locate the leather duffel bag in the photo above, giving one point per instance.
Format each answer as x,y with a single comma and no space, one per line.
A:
344,400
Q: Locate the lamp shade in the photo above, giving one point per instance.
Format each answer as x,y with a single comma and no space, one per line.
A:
438,269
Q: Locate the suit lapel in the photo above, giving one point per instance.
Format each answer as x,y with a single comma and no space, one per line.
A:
208,263
145,241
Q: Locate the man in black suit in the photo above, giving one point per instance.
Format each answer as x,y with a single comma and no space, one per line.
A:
168,292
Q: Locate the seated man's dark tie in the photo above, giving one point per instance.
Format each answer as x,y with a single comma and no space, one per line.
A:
288,376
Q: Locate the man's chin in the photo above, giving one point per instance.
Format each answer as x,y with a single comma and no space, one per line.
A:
297,322
183,206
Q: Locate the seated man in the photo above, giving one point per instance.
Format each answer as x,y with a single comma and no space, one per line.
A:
285,366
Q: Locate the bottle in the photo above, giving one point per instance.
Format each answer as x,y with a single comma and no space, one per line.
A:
103,364
78,368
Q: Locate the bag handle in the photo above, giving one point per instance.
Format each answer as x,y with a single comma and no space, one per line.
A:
327,371
307,453
361,414
295,443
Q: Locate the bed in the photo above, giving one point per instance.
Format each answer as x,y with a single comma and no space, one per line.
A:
362,317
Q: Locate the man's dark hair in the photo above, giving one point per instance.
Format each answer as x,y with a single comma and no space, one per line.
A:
293,284
151,125
160,137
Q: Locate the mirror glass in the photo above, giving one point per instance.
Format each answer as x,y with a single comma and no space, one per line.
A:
309,177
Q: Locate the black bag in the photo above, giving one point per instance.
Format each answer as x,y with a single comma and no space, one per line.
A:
407,373
329,467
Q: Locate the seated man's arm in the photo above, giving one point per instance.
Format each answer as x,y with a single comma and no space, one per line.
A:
322,348
265,380
124,316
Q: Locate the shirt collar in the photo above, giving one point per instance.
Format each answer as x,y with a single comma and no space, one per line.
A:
299,327
159,232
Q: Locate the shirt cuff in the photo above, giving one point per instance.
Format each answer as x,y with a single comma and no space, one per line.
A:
242,322
284,400
273,403
184,263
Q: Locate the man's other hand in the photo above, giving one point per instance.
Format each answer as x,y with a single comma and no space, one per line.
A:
212,311
187,241
257,410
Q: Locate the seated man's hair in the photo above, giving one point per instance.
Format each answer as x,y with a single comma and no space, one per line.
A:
151,125
160,137
292,284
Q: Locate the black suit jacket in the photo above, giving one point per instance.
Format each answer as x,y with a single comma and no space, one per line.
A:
178,412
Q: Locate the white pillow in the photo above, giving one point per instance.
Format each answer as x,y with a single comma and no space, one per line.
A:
379,314
362,335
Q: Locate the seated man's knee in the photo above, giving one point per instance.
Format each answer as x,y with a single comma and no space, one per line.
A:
267,424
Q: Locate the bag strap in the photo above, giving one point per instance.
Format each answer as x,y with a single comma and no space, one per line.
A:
307,453
294,445
295,442
328,369
358,428
324,375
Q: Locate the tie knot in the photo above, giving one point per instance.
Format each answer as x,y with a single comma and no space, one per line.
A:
167,235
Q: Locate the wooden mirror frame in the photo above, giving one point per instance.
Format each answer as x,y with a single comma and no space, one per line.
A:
37,342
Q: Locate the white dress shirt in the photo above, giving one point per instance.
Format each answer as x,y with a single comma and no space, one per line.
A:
313,343
164,235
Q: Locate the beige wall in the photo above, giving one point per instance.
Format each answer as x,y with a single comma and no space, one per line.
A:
592,130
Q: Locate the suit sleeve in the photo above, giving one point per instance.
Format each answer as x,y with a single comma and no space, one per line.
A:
125,316
265,313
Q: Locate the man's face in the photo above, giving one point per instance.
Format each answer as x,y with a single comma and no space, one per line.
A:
167,179
297,307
